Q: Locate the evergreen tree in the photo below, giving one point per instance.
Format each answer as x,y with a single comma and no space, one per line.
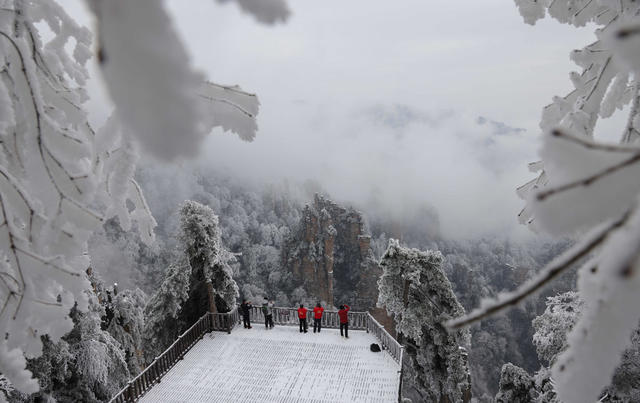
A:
161,312
202,280
212,285
127,325
560,316
417,293
85,365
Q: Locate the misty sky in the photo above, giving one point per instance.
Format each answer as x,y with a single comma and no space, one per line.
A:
379,100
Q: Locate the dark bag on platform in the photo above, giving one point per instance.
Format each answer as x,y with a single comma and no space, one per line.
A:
375,348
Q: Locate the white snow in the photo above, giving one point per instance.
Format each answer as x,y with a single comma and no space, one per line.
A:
280,365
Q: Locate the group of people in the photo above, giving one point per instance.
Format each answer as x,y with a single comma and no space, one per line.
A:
318,311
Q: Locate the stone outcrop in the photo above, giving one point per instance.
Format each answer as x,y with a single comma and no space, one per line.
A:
330,256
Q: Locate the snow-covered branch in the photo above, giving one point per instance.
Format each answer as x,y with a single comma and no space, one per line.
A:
264,11
552,270
162,102
586,185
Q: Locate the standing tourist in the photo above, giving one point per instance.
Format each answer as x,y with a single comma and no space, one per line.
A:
317,317
245,310
344,319
267,311
302,316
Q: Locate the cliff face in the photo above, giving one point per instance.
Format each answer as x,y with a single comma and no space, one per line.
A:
330,256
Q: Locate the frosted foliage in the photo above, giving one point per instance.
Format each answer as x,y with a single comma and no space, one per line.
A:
87,364
161,100
203,248
163,308
116,163
265,11
516,385
230,108
416,292
605,84
50,173
551,328
13,367
590,186
95,357
127,326
149,77
610,315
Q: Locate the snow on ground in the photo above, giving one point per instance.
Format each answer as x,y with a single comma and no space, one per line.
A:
280,365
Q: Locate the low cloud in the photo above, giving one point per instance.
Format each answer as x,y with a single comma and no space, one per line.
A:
394,160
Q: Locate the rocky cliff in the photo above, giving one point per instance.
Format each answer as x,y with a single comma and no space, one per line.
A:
329,254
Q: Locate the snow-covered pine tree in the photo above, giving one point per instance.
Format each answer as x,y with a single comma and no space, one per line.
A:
590,187
161,312
127,325
87,364
201,278
212,286
416,292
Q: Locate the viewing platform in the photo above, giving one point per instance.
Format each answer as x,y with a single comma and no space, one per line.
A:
276,365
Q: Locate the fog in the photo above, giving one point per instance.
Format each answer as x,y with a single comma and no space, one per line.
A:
389,106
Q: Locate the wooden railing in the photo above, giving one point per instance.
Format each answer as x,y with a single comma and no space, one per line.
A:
387,342
164,362
152,374
395,350
225,321
289,316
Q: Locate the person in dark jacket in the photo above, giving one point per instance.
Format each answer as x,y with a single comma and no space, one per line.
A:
344,319
302,316
317,317
245,310
267,311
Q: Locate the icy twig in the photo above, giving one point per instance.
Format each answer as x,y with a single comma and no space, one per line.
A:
593,145
590,179
548,273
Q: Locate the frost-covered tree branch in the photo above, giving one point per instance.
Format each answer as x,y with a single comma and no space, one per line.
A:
556,267
60,179
162,101
589,186
264,11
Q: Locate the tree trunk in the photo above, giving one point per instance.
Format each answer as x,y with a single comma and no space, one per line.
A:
212,298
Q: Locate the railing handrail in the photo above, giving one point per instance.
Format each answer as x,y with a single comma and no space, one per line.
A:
395,349
152,374
289,317
142,382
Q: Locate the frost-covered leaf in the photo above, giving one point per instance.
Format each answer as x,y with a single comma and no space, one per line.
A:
52,181
12,365
231,109
149,76
576,165
264,11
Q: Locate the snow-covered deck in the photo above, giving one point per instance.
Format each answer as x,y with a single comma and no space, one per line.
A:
280,365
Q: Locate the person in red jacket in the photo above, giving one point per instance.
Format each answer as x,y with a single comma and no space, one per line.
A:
317,317
344,319
302,315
